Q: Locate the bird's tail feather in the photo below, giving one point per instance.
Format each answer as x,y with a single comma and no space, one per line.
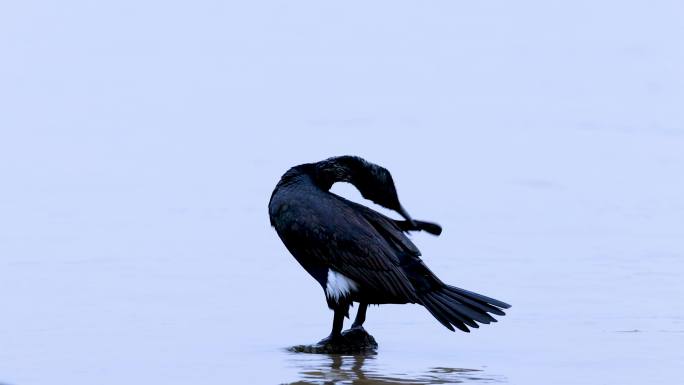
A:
461,308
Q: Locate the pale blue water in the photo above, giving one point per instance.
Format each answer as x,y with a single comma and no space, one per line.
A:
139,144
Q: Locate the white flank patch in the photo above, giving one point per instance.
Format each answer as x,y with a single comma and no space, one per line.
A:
338,285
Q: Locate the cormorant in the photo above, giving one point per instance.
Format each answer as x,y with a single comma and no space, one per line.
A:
360,255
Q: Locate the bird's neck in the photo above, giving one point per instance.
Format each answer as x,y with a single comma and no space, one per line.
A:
325,177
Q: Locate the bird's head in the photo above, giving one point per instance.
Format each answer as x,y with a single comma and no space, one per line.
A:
374,182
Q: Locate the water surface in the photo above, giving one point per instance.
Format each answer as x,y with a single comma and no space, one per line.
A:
139,145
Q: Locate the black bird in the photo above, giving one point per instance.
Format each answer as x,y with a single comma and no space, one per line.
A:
360,255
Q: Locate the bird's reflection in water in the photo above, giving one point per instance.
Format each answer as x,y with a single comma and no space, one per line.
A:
363,370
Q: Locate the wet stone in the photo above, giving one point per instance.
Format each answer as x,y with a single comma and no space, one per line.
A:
353,341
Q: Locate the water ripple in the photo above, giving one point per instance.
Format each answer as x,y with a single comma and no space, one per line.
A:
365,370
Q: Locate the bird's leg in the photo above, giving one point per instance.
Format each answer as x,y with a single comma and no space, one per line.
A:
360,315
341,311
338,322
355,339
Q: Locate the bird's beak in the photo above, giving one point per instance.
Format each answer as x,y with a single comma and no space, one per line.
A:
406,215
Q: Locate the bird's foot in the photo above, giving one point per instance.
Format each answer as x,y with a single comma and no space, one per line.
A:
354,340
357,333
333,339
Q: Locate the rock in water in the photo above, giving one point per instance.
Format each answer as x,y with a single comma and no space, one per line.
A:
356,340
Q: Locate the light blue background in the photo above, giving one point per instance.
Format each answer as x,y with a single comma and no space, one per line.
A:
140,141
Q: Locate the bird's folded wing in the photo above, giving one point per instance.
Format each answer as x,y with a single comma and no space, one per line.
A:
389,229
369,249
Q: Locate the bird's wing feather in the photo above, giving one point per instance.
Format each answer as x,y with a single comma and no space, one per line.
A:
388,228
366,246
